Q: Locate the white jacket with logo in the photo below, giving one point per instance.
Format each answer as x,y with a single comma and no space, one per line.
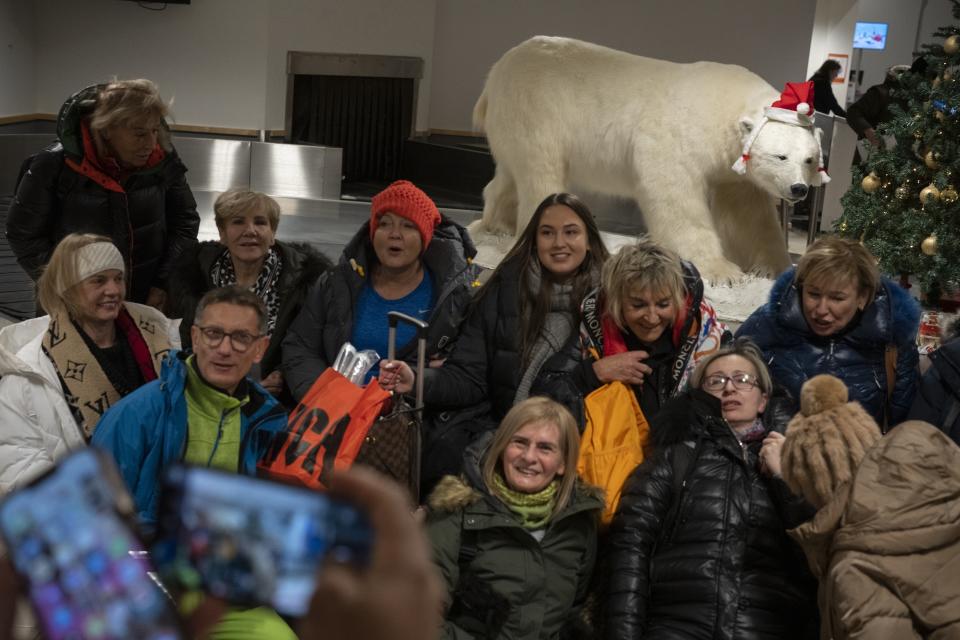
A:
36,425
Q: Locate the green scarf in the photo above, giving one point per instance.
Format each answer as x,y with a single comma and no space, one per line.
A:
534,509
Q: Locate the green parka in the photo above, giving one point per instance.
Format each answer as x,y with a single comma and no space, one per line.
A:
502,582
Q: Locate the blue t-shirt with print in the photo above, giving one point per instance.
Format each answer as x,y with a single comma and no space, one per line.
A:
370,325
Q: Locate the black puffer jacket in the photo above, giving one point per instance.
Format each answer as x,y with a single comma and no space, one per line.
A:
151,217
190,280
719,565
486,362
326,320
938,399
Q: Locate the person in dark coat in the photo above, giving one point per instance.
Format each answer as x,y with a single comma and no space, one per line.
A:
523,321
648,325
519,335
823,99
835,314
407,258
938,398
113,172
248,254
698,547
515,536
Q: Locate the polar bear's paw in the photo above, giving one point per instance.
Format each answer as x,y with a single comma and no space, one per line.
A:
719,270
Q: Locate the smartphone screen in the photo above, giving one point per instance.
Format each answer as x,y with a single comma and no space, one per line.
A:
69,536
252,541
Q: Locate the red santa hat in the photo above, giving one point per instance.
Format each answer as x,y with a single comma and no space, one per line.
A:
793,107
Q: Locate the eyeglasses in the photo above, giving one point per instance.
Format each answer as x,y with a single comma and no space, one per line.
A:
718,382
240,341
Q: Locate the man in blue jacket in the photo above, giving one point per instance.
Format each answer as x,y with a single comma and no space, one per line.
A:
203,409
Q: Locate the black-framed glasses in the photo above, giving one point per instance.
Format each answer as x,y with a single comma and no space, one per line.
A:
240,341
718,382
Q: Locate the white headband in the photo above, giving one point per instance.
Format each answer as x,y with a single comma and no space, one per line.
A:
94,258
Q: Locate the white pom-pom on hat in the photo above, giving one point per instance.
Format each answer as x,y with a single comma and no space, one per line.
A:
803,109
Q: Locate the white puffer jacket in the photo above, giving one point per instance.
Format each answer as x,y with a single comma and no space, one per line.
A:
36,425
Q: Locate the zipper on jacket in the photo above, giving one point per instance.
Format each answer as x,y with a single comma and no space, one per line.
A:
216,443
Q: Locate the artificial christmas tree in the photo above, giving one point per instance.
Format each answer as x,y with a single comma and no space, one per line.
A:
903,203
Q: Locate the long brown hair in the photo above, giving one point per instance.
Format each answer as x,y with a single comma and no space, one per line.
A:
533,309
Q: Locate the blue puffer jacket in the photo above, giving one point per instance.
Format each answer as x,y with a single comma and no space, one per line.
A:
794,353
146,432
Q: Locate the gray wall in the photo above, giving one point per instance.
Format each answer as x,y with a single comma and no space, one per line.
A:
17,57
770,37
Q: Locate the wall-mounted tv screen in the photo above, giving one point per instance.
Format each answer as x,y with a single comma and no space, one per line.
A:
870,35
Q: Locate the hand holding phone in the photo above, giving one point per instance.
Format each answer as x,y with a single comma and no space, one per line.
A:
251,541
70,538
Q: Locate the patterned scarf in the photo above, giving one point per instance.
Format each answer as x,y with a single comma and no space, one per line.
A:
534,509
87,387
266,287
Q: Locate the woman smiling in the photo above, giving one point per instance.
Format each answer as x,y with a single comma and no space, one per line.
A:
523,321
648,325
249,255
63,371
515,536
834,314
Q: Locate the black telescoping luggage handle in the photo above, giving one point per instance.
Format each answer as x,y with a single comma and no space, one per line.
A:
394,318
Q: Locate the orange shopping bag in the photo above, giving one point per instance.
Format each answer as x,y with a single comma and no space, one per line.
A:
325,431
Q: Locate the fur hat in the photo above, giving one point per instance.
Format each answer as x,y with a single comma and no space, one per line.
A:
404,199
825,441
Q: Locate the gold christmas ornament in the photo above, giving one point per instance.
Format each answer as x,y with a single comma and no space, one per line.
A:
903,192
949,195
843,227
929,246
951,45
931,161
918,133
929,194
870,183
940,116
948,75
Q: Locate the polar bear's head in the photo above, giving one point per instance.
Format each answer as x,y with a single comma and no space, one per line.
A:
784,158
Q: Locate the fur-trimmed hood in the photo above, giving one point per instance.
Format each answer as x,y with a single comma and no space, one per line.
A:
892,316
453,493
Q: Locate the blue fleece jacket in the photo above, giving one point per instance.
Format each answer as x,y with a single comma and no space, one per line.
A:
795,353
146,432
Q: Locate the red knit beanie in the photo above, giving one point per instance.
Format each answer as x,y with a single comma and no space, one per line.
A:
404,199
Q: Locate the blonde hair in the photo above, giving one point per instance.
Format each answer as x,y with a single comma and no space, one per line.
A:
645,265
63,267
746,349
240,200
537,409
123,102
835,259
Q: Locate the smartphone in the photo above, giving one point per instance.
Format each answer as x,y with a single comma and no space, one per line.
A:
70,536
252,541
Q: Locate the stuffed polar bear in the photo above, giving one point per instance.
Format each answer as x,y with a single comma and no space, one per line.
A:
560,113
